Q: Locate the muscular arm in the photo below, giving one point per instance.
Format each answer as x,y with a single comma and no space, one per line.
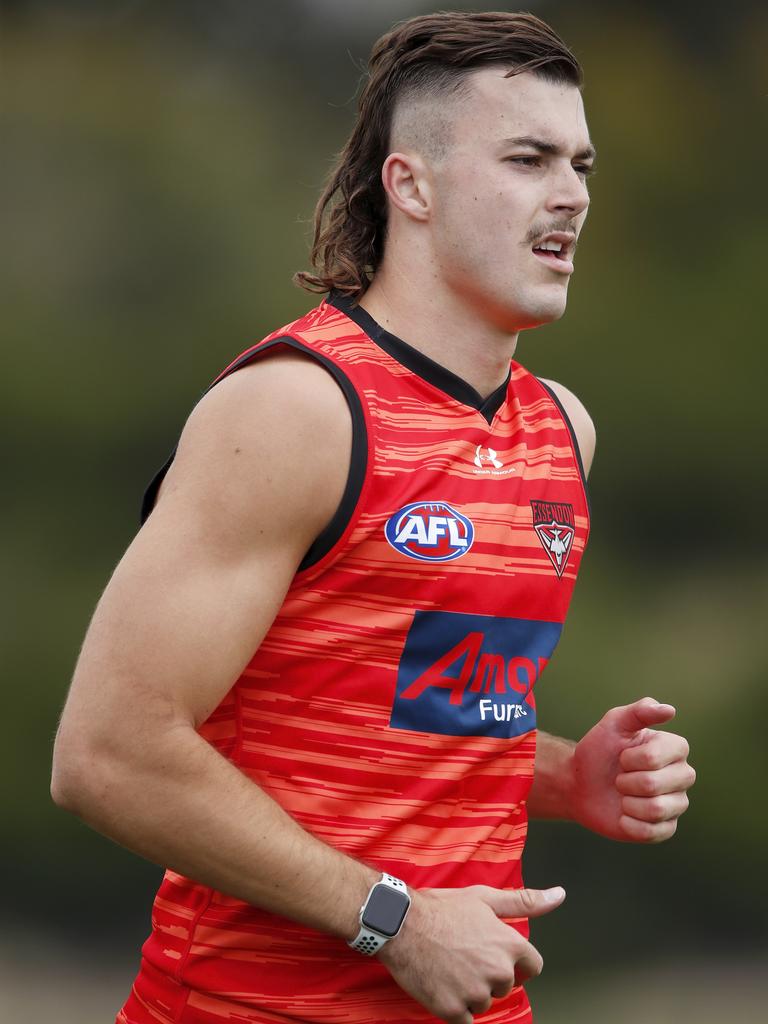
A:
184,611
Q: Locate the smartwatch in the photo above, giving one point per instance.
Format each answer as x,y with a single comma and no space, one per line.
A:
382,915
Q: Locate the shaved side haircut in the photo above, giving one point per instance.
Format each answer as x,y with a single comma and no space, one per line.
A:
416,72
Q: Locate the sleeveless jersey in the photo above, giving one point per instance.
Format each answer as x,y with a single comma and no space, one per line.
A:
390,707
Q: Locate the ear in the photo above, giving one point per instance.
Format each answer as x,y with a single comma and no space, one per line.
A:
406,182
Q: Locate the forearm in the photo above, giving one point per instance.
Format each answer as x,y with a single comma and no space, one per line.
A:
193,811
551,795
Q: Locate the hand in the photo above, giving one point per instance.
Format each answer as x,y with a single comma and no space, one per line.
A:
454,955
630,781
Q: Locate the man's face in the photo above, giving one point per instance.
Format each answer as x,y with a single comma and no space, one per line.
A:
513,173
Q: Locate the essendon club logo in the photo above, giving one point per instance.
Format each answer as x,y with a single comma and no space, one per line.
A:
555,527
471,675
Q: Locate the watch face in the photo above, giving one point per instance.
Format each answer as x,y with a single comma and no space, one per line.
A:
385,910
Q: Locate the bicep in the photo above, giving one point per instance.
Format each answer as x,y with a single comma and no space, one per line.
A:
200,585
176,624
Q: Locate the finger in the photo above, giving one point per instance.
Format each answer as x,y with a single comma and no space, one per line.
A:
657,750
464,1017
633,717
528,964
637,831
502,989
656,808
521,902
675,778
477,1006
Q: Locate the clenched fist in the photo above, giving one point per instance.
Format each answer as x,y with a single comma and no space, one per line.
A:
630,781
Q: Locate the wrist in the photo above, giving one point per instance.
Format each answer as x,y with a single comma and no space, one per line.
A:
568,784
382,915
399,949
554,793
359,888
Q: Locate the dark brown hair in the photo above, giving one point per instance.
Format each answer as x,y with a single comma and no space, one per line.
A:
429,56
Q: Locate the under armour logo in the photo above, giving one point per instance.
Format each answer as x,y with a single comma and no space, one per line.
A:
489,457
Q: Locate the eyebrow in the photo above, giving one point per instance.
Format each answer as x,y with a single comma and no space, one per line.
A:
548,147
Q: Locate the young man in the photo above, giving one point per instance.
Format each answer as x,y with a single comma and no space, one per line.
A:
307,688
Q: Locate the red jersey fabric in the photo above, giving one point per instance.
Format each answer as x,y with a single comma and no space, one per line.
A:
390,708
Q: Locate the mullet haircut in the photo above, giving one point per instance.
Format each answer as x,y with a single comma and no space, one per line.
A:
427,57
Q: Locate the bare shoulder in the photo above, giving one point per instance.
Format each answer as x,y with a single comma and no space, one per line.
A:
580,419
274,438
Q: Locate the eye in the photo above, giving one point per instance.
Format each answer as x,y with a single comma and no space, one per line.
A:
585,169
526,161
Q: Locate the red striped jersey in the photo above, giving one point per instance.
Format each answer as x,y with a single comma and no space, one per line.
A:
390,707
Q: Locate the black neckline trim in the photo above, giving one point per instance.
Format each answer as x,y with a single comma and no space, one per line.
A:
419,363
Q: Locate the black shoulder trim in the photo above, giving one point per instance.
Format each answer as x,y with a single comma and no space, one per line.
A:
330,536
575,439
150,495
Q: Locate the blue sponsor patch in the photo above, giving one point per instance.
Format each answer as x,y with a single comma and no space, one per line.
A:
471,675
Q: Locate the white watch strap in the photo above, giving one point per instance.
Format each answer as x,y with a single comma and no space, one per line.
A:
367,941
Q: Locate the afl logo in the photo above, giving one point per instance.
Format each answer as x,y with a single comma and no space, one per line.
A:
430,531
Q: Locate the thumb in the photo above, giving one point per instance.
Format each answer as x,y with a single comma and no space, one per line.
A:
634,717
522,902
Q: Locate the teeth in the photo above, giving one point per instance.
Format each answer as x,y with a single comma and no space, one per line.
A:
553,246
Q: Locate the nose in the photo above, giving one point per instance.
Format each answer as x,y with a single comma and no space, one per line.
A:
568,192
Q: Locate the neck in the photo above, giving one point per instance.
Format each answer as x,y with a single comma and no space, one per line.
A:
437,322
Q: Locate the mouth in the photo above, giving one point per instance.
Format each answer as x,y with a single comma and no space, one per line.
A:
555,251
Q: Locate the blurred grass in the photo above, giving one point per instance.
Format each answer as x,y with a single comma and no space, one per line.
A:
39,981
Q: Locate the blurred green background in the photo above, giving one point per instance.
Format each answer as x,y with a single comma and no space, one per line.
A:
160,164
